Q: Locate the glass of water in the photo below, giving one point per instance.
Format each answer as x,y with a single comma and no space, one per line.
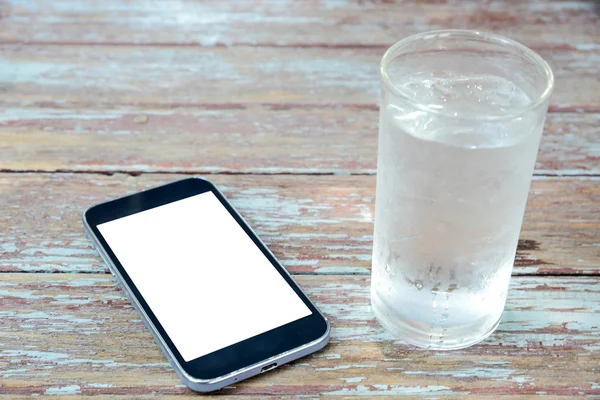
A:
461,117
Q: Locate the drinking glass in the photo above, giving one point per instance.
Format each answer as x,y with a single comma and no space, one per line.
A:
461,117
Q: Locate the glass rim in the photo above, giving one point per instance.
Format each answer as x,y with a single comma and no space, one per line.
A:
526,52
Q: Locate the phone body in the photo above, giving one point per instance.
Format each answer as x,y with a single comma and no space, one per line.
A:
217,301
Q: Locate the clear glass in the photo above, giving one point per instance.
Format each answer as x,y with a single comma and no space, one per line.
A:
461,117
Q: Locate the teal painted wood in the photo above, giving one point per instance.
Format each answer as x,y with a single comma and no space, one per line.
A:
166,77
264,140
272,87
77,334
314,224
326,23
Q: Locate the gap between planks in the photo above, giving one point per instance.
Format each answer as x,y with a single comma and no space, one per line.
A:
557,174
357,274
573,109
292,45
234,45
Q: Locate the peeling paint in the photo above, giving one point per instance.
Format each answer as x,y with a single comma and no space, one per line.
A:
100,385
343,270
355,379
65,359
480,373
64,390
338,367
394,390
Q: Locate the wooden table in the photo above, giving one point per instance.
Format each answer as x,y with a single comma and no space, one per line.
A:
275,101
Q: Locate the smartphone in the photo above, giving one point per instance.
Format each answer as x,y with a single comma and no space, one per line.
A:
217,301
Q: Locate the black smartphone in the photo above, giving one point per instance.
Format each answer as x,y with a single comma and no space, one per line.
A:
219,304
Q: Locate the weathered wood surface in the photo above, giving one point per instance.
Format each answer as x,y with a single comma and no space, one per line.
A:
254,139
273,87
66,333
328,23
169,77
314,224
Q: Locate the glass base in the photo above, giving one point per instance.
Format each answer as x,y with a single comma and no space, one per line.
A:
453,338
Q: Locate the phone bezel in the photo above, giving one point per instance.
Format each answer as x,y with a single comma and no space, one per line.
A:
236,357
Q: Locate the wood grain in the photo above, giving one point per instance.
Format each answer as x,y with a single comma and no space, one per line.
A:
328,23
171,77
313,224
273,87
251,140
77,333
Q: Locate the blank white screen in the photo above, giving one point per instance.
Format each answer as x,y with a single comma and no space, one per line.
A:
201,274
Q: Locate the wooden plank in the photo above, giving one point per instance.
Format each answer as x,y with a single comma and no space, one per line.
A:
170,77
256,139
313,224
77,333
555,24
